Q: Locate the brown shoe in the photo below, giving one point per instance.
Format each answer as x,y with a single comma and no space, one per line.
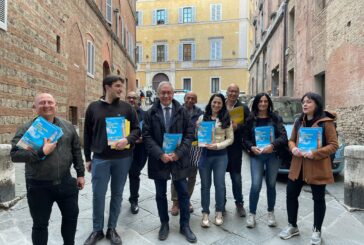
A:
175,208
191,208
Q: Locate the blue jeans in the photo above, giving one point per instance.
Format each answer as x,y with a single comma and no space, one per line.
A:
237,187
257,164
102,170
183,200
217,165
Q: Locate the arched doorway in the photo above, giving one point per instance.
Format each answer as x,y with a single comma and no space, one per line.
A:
160,77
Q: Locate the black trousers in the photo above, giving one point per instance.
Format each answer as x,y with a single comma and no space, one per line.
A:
139,159
41,196
319,205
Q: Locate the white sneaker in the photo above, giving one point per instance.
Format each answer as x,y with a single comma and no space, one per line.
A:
219,220
289,232
250,222
271,220
316,237
205,222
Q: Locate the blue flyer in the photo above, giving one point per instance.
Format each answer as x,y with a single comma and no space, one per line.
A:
33,138
264,136
115,129
309,139
206,133
170,142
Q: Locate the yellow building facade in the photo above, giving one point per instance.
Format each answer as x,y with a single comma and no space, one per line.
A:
201,46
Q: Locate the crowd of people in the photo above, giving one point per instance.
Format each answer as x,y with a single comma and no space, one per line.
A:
48,177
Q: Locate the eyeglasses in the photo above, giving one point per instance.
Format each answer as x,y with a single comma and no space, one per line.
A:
131,97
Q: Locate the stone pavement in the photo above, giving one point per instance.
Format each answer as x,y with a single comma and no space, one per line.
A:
340,226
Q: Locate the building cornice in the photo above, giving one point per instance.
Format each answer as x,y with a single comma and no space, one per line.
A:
193,23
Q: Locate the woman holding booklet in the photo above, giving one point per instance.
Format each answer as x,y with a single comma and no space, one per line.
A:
264,138
312,142
214,157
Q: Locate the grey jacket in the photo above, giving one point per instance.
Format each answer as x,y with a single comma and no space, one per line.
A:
57,164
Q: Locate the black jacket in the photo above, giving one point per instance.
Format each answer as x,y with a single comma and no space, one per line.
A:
280,135
235,151
57,164
195,113
153,131
95,139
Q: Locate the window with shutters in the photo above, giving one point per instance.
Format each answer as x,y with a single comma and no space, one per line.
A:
187,14
109,11
187,85
160,53
216,13
3,14
90,59
187,51
139,18
215,85
161,16
215,49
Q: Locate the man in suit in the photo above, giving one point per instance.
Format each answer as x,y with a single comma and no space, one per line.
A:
168,116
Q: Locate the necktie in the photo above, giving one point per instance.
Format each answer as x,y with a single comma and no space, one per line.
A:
167,117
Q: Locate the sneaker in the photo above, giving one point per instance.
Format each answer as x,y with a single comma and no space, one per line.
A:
175,208
271,220
134,208
205,222
219,220
94,237
250,222
316,237
240,209
289,232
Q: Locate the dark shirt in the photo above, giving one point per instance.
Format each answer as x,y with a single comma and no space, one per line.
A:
95,137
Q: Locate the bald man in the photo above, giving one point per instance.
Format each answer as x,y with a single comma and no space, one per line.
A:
47,174
194,112
235,151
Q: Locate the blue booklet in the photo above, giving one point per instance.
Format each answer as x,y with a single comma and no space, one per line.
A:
309,139
206,133
264,136
170,142
141,124
33,139
115,129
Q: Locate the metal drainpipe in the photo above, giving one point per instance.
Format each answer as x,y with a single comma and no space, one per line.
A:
285,57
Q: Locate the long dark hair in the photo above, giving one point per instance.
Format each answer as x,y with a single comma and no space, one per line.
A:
223,114
256,100
319,110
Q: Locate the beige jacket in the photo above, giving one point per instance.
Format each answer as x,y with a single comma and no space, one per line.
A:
223,137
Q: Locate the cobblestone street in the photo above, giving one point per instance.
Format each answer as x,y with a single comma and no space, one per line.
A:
340,226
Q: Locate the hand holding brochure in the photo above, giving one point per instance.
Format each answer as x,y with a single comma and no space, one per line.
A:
237,114
206,133
264,136
117,128
170,142
33,139
309,139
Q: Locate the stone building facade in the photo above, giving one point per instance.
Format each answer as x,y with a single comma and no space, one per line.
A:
315,46
196,45
64,48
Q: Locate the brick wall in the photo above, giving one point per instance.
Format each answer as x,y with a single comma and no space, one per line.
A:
30,63
328,40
